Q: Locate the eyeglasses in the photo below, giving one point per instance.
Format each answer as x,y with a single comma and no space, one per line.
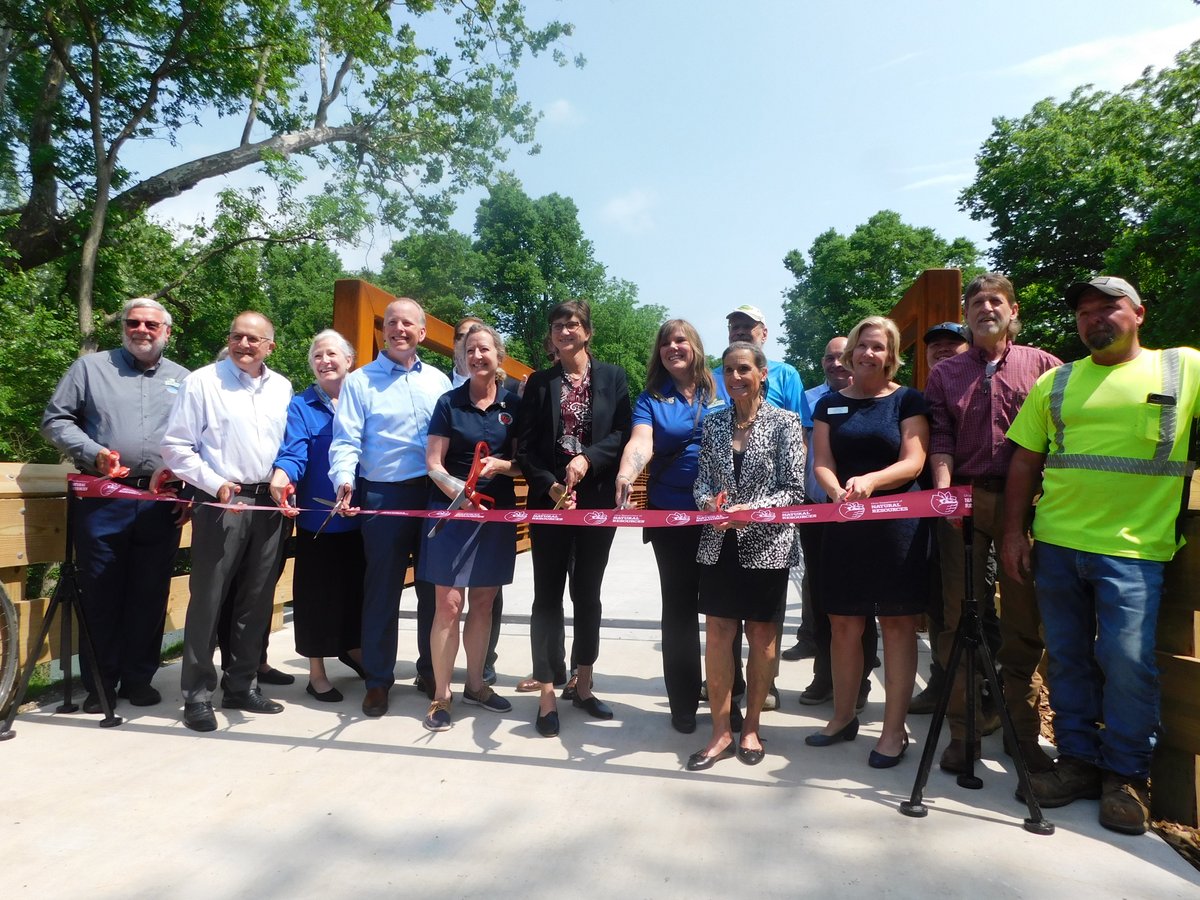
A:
988,371
565,326
251,339
149,325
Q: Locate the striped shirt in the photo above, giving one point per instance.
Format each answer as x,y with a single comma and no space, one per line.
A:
972,402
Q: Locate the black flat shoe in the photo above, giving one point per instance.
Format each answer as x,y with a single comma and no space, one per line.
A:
879,760
848,733
698,761
547,725
274,676
683,723
751,757
348,661
333,695
595,707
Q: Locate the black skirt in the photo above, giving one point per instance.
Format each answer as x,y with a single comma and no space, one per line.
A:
729,591
327,592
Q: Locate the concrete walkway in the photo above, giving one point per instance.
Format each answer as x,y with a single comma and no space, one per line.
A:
320,801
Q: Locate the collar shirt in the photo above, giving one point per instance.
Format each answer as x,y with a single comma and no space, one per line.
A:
970,410
456,379
813,491
226,426
382,419
105,401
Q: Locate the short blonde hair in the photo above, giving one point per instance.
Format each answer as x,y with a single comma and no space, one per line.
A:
888,327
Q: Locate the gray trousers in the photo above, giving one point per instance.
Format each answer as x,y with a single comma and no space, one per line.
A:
224,545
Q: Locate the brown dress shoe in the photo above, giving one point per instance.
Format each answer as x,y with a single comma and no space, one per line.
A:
954,757
1124,804
375,703
528,685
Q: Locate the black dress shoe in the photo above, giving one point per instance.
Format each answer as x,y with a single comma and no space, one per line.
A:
333,695
815,694
802,649
199,716
596,708
250,701
684,723
848,733
274,676
547,725
698,762
735,718
91,703
426,685
375,703
751,757
878,760
348,661
140,694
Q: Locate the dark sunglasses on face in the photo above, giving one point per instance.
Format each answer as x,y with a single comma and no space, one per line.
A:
132,324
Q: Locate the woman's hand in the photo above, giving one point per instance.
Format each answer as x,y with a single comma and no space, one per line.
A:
725,526
577,468
860,487
624,490
490,467
563,498
282,490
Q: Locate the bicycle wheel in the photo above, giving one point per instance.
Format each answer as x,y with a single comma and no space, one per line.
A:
8,650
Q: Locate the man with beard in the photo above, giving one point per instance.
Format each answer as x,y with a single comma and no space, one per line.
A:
1111,432
110,411
973,398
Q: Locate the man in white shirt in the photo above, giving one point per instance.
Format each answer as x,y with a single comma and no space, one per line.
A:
222,438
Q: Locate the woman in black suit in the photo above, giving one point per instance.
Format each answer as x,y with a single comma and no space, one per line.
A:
573,423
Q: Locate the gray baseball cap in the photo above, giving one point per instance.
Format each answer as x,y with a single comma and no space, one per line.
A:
1105,284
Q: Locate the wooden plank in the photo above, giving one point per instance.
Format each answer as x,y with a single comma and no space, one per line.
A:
1175,775
12,578
1180,680
30,616
33,479
32,530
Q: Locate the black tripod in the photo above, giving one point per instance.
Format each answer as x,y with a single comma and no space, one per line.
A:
968,640
65,599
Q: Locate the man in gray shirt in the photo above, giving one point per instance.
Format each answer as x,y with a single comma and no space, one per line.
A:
111,410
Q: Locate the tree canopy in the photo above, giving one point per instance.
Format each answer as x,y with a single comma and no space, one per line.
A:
845,278
1101,182
401,102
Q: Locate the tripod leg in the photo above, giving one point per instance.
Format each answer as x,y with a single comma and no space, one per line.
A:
6,732
973,639
914,806
68,705
1036,823
88,653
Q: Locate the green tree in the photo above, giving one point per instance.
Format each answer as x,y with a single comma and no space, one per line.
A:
1099,182
847,277
534,255
392,120
441,269
623,331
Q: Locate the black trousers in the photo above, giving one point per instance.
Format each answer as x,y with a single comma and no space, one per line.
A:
679,583
554,547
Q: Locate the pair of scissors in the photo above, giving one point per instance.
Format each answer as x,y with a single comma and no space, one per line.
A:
336,508
467,493
721,500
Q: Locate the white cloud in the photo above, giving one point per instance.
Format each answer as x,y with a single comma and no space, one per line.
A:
953,178
1108,63
632,211
561,112
891,63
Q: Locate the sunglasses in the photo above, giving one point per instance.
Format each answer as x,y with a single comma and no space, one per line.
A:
132,324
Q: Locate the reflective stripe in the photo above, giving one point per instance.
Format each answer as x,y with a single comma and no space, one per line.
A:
1166,414
1097,463
1161,464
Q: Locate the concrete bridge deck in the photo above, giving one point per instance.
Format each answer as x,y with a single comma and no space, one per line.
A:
320,801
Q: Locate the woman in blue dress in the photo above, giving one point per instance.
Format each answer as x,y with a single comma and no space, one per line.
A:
469,561
668,422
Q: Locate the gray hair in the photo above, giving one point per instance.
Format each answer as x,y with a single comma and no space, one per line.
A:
330,334
145,303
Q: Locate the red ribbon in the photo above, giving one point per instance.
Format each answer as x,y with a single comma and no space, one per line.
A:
952,501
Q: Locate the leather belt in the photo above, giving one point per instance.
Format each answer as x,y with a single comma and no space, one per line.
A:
994,484
257,489
142,482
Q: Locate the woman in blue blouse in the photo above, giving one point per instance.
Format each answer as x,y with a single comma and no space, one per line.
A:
328,579
667,425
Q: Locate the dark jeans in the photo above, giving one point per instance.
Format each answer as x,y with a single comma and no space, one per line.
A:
124,553
554,547
679,583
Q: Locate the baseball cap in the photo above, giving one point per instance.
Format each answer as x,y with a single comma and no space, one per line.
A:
1105,284
752,312
947,329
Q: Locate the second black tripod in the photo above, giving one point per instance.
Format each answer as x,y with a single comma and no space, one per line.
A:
970,646
65,602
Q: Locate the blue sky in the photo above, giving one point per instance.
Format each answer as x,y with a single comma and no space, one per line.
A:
705,140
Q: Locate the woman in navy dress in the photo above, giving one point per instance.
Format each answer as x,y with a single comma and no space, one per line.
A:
870,439
469,561
328,581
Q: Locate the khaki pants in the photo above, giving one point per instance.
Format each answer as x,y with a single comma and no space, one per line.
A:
1021,644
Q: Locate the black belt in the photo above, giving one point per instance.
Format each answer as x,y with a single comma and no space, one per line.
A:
141,482
414,482
257,489
993,483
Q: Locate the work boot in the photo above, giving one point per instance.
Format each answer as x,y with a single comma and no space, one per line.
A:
1068,780
954,757
926,702
1037,761
1124,804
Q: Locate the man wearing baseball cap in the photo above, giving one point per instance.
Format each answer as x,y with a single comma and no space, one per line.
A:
944,340
1111,432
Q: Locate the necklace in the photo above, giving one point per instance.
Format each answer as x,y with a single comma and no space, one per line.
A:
742,426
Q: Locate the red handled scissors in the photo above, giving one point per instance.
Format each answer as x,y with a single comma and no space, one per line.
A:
468,493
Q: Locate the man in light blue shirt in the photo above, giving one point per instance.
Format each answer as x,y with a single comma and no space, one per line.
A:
377,459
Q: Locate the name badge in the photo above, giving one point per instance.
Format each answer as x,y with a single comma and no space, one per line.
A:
838,410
